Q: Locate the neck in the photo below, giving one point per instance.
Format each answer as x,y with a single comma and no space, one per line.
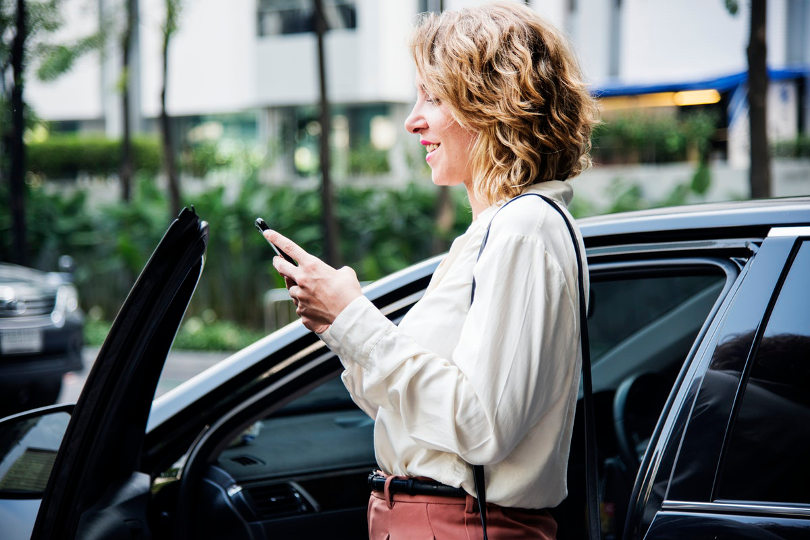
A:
476,205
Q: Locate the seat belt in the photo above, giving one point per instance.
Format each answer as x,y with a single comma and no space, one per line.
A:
591,463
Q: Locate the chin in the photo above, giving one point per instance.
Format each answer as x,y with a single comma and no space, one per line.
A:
441,180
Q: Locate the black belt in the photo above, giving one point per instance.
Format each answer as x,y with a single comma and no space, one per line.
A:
414,486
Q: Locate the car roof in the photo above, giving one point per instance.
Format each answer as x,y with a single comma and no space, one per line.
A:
694,222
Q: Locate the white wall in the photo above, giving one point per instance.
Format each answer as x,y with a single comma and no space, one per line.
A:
591,37
77,94
369,63
688,39
219,64
212,57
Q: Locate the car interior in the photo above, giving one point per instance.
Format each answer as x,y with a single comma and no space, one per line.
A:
305,466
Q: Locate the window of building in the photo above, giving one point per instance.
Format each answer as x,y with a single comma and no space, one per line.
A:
280,17
766,452
436,6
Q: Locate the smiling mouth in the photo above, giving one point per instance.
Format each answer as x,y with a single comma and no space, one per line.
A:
431,147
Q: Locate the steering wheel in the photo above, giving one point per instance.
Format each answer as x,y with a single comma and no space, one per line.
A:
637,405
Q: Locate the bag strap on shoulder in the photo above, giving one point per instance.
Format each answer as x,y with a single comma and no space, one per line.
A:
591,464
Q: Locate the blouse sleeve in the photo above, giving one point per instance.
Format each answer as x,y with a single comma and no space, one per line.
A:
518,345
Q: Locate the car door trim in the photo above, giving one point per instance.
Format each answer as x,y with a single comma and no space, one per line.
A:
736,508
674,247
802,230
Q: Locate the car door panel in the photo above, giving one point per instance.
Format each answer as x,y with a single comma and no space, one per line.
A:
101,449
699,453
673,525
689,504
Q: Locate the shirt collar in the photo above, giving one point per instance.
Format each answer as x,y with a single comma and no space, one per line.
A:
560,191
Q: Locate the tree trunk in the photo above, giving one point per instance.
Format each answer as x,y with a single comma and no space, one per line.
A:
19,244
127,168
760,172
330,225
165,124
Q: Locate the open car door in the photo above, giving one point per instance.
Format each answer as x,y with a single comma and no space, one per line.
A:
96,489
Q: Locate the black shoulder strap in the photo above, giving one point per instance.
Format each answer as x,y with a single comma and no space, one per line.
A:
591,471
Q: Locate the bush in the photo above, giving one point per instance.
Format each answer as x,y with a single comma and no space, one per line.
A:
633,138
65,156
367,160
793,148
202,158
381,230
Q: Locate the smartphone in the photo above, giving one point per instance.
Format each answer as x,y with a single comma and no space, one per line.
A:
262,226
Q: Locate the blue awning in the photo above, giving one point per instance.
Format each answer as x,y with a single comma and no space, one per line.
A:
721,84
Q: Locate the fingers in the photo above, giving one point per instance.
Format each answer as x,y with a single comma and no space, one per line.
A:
286,245
287,270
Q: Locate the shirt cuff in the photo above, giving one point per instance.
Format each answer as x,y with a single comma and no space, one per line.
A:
356,331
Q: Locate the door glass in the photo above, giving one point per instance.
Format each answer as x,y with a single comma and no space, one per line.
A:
320,446
28,447
642,324
623,307
766,453
320,431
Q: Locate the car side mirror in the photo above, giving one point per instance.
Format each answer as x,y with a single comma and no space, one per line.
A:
29,442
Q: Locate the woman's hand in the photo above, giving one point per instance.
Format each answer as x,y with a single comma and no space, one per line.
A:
319,291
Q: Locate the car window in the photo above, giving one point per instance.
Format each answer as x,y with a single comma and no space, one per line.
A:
766,453
645,320
622,306
320,431
28,449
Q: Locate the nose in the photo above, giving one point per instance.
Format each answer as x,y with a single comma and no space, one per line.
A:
415,121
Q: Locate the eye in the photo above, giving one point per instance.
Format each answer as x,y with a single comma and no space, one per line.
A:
428,98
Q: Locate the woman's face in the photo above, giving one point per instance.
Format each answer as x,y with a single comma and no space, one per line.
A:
447,144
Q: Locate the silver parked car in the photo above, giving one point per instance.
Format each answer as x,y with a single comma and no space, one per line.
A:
40,336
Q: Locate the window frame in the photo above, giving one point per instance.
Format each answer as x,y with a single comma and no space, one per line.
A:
802,246
746,307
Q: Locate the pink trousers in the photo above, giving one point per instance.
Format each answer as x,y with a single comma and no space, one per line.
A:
410,517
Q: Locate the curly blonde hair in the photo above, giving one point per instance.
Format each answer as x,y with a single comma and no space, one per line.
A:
510,77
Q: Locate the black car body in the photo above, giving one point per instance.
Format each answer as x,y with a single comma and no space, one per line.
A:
40,336
699,323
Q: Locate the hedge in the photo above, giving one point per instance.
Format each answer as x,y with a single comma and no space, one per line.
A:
65,156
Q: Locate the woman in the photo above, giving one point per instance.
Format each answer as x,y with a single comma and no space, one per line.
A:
493,380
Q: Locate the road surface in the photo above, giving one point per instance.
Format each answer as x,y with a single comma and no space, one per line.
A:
180,366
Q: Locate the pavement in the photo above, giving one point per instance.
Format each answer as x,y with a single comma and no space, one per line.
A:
180,366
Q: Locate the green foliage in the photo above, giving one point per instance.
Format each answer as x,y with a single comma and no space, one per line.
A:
95,331
382,230
651,138
625,196
173,10
201,158
57,59
701,180
64,156
196,334
793,148
368,160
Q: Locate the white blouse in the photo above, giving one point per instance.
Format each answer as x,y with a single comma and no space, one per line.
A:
492,383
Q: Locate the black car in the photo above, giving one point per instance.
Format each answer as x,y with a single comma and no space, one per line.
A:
40,336
699,328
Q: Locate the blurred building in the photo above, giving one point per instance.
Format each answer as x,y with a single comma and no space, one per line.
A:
245,71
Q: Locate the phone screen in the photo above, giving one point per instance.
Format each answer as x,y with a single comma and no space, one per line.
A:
262,226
